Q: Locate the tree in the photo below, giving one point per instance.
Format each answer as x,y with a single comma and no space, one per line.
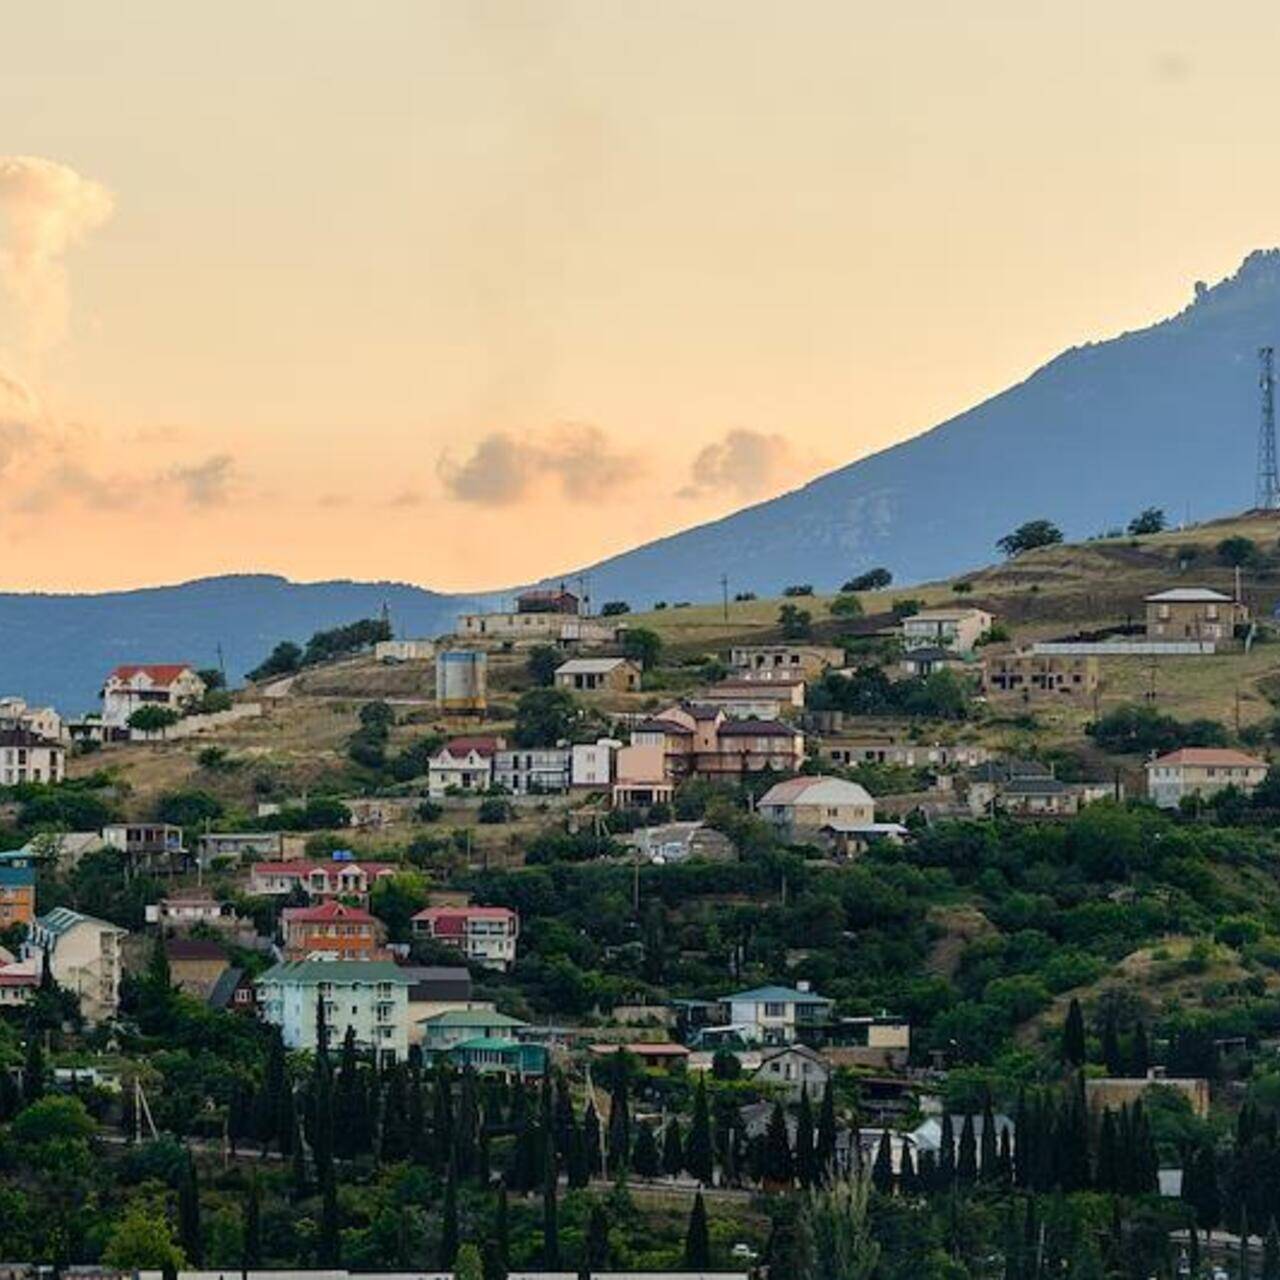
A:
643,645
872,580
645,1160
1271,1253
1237,551
1028,536
778,1167
141,1239
449,1222
1073,1042
598,1239
699,1158
153,719
188,808
826,1145
967,1159
882,1169
614,608
542,662
550,1210
806,1162
846,607
544,717
189,1236
329,1240
33,1066
796,623
833,1234
672,1149
1111,1053
467,1265
697,1240
1149,520
251,1249
283,660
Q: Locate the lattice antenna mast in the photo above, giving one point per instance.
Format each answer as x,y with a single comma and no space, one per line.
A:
1268,494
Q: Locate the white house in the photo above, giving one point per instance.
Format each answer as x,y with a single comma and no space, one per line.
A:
404,650
1202,772
44,722
462,764
775,1015
532,770
956,629
369,996
792,1069
171,685
27,757
85,955
592,764
486,935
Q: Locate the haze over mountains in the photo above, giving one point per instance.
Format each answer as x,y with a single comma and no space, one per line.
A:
1162,416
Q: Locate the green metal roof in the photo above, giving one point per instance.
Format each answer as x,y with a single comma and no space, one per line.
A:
470,1018
62,920
314,972
776,995
493,1043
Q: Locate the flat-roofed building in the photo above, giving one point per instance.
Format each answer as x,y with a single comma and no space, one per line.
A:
1040,677
783,661
956,629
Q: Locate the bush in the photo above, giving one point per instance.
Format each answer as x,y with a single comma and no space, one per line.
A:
1133,728
429,811
796,623
188,808
1150,520
846,607
1237,552
799,589
494,810
614,608
872,580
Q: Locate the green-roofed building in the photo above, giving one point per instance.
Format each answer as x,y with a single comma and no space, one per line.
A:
442,1031
496,1055
369,996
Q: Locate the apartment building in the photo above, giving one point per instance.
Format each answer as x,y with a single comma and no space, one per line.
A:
17,892
44,722
171,685
485,935
533,770
85,954
27,757
1201,772
343,876
331,929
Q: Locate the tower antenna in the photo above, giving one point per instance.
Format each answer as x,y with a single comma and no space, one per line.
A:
1268,494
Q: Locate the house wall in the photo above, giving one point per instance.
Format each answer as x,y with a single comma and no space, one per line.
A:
1193,620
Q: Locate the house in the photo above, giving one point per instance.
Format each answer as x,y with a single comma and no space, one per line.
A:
183,911
925,659
530,628
512,1059
776,1015
85,957
171,685
533,770
17,892
661,1055
61,849
599,675
195,964
144,840
1193,613
343,876
1113,1092
486,935
591,764
236,844
463,764
44,722
1201,772
1040,677
548,600
369,997
755,699
851,752
333,928
18,982
879,1041
810,803
928,1135
444,1031
436,989
1040,796
783,661
233,992
404,650
27,757
792,1069
956,629
678,841
641,778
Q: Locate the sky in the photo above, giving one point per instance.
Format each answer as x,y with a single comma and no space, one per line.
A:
468,293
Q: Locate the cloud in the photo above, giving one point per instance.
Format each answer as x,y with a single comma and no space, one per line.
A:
744,464
47,208
503,470
208,483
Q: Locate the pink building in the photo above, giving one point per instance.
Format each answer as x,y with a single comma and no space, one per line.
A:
486,935
340,878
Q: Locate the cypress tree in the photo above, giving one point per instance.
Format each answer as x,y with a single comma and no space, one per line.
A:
698,1156
442,1113
672,1149
502,1232
322,1119
1141,1060
598,1239
189,1234
645,1159
1271,1253
275,1098
550,1210
396,1130
1107,1178
33,1068
1242,1268
419,1131
1111,1053
1022,1156
449,1222
591,1140
927,1177
947,1153
826,1147
322,1027
1004,1161
1193,1252
882,1169
466,1143
251,1251
778,1168
697,1241
907,1182
329,1241
988,1166
11,1100
619,1117
348,1103
578,1165
806,1154
297,1152
967,1161
1073,1039
565,1121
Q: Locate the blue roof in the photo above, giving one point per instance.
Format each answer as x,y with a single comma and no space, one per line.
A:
17,877
776,995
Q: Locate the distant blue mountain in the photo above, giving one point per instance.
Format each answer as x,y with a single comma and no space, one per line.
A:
1165,416
58,648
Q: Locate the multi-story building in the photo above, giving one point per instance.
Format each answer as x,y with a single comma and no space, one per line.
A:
755,699
906,755
340,877
172,685
27,757
530,628
195,964
776,1015
44,722
592,764
783,661
1201,772
533,770
956,629
1040,677
701,741
332,928
811,803
17,890
1193,613
258,844
442,1031
463,764
85,956
180,912
486,935
599,675
371,997
144,840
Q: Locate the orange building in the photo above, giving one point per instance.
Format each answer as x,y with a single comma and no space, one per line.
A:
17,890
347,933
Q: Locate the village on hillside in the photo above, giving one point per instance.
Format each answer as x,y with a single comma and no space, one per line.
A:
968,886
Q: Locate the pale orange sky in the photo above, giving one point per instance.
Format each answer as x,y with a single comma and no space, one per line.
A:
465,293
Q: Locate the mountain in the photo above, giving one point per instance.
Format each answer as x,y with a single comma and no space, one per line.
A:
1166,416
58,648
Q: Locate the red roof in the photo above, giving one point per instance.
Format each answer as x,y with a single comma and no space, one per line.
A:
1214,757
19,980
300,869
161,673
329,911
481,746
447,917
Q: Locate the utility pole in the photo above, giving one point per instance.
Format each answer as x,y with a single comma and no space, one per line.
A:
724,594
1267,497
222,662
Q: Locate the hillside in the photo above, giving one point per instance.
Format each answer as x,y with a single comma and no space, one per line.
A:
1166,415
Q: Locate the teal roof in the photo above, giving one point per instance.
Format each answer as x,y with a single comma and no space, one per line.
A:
776,995
470,1018
314,972
17,877
62,920
492,1043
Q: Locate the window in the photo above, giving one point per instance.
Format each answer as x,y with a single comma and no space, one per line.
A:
774,1009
